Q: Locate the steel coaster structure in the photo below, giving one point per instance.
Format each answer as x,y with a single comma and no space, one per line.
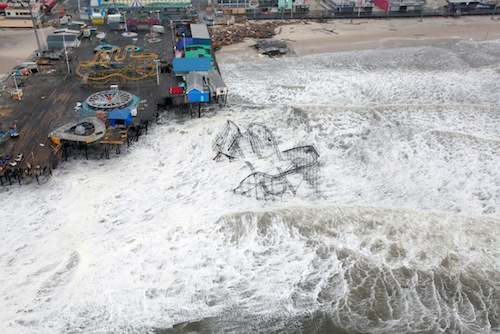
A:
122,63
301,162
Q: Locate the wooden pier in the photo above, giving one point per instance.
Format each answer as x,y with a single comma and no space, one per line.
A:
49,99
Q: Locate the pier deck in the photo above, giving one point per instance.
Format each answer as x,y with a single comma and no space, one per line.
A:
50,96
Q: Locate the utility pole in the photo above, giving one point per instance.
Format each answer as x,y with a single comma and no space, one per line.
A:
282,12
34,28
66,53
422,11
494,10
352,12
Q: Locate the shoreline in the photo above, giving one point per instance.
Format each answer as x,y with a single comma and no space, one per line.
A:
18,45
308,38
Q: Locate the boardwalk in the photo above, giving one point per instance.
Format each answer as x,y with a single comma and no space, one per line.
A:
49,99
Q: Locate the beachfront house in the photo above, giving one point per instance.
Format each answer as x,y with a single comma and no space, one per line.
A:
18,15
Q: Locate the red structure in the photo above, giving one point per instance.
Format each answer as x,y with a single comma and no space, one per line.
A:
48,5
382,4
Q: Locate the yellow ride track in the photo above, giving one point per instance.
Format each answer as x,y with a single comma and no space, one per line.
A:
132,66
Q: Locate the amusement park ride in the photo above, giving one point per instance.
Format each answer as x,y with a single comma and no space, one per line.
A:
123,64
289,168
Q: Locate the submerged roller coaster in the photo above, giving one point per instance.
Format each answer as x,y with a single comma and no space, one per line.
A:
291,167
123,64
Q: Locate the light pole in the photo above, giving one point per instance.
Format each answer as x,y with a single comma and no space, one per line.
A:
352,11
422,14
34,28
283,10
184,42
157,63
17,88
66,54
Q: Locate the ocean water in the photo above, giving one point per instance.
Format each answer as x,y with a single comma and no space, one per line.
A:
402,236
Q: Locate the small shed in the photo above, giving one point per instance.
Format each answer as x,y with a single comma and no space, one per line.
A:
183,66
195,90
217,85
200,34
120,117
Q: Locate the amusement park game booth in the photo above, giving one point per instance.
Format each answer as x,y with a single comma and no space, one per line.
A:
120,117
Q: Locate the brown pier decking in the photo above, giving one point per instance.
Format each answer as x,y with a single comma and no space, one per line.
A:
49,99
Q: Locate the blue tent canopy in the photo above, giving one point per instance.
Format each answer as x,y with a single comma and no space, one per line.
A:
120,117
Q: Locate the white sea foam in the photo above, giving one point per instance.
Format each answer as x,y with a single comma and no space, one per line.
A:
404,235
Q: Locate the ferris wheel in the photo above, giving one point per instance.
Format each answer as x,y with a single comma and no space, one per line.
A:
109,100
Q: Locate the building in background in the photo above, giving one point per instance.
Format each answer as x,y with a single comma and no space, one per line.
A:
18,15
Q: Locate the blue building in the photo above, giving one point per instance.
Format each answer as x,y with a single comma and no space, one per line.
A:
195,89
183,66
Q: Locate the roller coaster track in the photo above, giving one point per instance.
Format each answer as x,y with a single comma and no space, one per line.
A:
136,66
303,160
277,184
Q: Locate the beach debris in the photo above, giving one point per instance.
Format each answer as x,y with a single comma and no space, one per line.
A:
272,47
226,35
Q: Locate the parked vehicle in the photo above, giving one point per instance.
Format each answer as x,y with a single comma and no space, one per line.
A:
175,90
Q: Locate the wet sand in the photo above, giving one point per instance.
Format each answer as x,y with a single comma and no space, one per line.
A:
307,37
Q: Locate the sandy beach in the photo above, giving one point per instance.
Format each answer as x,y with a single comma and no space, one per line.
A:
308,37
17,45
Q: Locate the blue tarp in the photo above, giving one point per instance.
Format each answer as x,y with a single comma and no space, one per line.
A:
180,43
185,65
120,117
